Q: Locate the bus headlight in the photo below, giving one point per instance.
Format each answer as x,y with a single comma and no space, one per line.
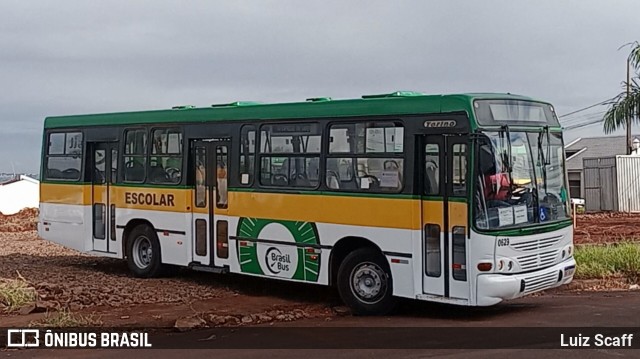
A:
567,252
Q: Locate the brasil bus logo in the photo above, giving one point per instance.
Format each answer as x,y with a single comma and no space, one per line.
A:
287,249
276,261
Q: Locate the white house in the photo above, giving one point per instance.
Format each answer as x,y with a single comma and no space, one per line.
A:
19,193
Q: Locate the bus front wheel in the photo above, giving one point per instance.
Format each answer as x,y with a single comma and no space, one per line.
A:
365,283
143,252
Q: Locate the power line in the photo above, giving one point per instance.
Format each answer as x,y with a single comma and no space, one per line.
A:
586,108
579,119
592,122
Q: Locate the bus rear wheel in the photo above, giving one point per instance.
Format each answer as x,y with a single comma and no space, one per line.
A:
365,283
143,253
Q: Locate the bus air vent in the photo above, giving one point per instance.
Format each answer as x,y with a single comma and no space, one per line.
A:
396,94
319,99
236,104
183,107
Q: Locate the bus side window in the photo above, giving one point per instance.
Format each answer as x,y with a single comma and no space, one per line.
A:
366,156
135,151
64,156
165,164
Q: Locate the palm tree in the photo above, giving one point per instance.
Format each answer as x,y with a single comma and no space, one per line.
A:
626,105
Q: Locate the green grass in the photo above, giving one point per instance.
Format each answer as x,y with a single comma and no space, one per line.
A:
15,293
602,261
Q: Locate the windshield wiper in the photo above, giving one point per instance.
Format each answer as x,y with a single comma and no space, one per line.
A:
507,160
544,161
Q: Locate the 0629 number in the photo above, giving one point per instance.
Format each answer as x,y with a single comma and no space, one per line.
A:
503,242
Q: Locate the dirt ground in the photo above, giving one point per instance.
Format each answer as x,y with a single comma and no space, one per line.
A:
607,227
103,290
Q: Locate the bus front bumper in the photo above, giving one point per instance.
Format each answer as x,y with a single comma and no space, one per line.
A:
494,288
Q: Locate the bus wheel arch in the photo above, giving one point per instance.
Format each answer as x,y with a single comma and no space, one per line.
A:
141,248
354,261
341,249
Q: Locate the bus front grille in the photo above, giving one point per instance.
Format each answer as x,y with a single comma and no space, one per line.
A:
539,282
538,260
536,244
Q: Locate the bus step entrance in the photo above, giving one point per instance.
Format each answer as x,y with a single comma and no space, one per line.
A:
201,268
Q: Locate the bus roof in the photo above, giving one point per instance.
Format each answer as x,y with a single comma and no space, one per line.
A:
395,103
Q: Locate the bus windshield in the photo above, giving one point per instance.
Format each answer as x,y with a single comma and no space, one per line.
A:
521,179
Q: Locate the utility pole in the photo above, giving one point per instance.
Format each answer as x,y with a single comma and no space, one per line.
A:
629,144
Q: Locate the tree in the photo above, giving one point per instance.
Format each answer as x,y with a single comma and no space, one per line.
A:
626,105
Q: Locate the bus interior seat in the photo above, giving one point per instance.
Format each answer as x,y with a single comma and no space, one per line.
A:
279,179
98,176
333,181
54,173
375,165
347,179
134,171
71,173
432,180
301,180
157,173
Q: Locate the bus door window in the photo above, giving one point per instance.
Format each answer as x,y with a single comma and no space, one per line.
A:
433,266
459,169
201,177
432,169
221,176
99,167
99,209
114,165
114,179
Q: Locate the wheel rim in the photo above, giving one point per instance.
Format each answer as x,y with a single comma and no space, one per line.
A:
142,253
368,282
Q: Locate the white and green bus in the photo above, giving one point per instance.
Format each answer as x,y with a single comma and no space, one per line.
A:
457,198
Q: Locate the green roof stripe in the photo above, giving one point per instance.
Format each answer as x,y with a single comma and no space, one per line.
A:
399,103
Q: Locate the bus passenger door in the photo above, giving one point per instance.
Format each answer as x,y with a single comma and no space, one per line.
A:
104,162
210,238
432,169
456,217
444,215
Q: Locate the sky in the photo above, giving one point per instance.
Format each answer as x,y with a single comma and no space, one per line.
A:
74,57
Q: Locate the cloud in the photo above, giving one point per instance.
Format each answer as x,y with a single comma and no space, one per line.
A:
101,56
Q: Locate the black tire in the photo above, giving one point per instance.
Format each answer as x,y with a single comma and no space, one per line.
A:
142,262
374,296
